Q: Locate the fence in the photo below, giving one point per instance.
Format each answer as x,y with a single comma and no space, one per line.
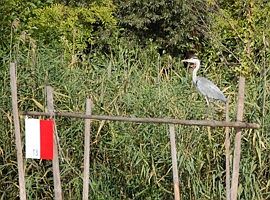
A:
231,191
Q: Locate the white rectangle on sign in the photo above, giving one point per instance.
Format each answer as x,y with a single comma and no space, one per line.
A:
32,138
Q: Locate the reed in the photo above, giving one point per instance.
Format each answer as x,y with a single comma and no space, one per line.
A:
132,161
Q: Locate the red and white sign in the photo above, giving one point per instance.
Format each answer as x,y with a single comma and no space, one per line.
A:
39,138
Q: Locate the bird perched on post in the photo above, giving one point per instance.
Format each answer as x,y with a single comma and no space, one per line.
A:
205,86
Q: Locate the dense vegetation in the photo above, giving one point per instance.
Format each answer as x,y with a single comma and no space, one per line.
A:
126,55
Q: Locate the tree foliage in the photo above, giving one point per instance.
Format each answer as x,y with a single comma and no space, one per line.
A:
173,24
239,32
16,10
73,26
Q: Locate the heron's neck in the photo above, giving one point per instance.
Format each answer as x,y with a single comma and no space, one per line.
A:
194,74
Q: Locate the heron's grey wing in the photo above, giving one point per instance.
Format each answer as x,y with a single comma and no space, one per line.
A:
209,89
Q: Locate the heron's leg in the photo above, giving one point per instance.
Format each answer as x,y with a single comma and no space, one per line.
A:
209,107
211,111
207,101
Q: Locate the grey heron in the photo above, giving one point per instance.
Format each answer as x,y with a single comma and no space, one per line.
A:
203,85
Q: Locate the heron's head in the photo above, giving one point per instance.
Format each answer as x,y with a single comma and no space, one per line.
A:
192,60
192,63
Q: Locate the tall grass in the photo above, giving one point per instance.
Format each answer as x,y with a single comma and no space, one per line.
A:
128,160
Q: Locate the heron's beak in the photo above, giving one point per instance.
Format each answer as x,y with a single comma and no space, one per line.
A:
184,60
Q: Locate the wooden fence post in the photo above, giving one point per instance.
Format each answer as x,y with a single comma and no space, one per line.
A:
55,162
87,134
13,84
237,147
227,154
174,162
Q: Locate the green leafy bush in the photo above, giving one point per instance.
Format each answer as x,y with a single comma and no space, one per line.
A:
239,32
18,11
72,26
